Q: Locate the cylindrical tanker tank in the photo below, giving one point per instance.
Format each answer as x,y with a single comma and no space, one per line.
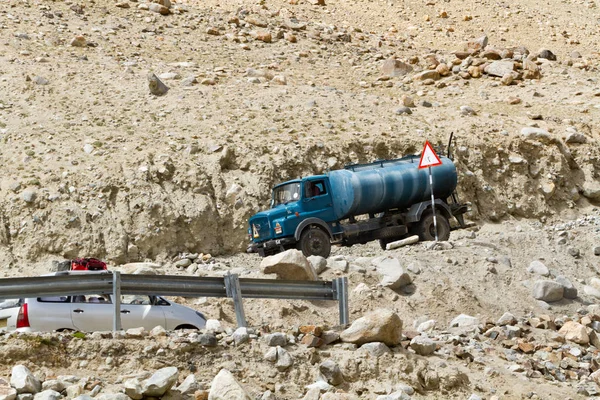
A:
385,185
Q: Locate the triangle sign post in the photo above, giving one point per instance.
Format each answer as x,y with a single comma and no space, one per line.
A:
430,159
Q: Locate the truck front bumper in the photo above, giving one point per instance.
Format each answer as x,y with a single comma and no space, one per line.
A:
272,246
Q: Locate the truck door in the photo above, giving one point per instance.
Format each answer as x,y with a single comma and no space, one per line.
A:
316,200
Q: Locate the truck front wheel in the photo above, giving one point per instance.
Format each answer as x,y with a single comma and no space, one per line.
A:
426,229
314,242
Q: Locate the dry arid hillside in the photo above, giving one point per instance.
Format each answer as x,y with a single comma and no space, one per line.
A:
99,159
93,163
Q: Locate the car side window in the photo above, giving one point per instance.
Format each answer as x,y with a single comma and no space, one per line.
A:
53,299
159,301
92,298
135,299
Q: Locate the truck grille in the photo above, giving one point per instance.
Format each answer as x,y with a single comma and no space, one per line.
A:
260,229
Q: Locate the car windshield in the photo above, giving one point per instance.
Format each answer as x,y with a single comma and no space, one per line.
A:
286,193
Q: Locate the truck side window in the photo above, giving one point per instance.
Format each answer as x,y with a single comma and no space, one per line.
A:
314,188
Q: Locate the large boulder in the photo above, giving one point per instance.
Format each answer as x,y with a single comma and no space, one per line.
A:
392,273
290,264
575,332
570,292
378,326
423,345
161,381
24,381
500,68
548,291
225,387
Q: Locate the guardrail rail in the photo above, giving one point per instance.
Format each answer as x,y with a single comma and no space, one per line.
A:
231,285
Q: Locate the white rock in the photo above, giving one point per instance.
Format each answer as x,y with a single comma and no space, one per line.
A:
189,385
135,333
394,396
376,326
48,395
547,291
337,264
133,389
240,336
538,268
29,195
213,325
158,331
276,339
392,273
271,354
534,133
375,349
319,263
464,320
284,359
423,345
24,381
331,373
88,148
506,319
591,291
404,242
595,283
426,326
361,288
112,396
290,264
161,381
225,387
313,393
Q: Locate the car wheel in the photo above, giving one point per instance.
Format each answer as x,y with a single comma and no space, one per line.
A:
315,242
426,228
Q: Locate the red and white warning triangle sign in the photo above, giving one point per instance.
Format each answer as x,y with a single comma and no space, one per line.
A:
428,157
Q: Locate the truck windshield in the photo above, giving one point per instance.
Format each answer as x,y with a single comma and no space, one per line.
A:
286,193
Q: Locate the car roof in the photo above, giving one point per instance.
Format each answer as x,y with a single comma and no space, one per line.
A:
83,272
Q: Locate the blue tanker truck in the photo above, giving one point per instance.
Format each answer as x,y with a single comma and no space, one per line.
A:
384,200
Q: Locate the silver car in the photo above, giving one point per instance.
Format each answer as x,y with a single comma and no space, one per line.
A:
95,313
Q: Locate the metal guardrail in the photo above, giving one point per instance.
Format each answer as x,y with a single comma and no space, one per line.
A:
115,284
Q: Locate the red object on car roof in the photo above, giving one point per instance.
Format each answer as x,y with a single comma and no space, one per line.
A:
87,264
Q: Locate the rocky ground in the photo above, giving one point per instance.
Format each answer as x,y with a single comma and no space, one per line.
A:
100,159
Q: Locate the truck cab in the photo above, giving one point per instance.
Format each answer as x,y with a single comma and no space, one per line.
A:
294,204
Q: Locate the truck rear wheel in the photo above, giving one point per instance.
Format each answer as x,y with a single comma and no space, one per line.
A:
315,242
426,229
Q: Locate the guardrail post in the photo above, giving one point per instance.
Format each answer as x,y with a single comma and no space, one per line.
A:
116,301
341,288
232,286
